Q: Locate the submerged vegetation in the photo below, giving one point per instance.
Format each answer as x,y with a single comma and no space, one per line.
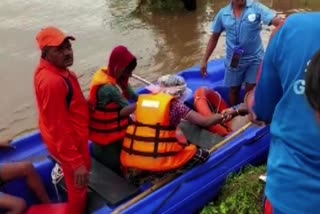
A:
167,5
241,194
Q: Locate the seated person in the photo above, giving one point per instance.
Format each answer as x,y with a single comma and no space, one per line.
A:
110,108
151,148
208,101
9,171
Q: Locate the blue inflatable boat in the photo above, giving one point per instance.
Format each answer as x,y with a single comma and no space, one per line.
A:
186,193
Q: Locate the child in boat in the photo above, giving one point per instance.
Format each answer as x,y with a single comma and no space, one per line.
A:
10,171
151,148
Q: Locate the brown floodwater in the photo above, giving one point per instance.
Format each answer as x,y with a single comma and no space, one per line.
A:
164,42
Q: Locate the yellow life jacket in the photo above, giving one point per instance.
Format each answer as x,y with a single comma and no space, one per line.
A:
150,143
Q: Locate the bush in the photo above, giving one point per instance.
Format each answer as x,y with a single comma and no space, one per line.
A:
241,194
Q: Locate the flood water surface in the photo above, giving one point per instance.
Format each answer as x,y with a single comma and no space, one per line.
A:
163,42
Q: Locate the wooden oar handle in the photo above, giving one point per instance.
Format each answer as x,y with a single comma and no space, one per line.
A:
141,79
232,136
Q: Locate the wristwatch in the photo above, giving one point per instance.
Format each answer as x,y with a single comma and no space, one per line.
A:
236,109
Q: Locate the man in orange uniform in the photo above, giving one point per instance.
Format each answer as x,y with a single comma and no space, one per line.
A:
63,113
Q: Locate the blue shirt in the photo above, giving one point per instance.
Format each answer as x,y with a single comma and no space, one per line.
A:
293,169
245,31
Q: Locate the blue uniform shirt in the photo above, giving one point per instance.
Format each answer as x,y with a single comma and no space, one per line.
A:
245,31
293,170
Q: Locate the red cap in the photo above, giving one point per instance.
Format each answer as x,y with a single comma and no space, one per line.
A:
51,36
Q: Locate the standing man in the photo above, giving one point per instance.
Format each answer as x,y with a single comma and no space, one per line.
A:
63,113
241,20
293,174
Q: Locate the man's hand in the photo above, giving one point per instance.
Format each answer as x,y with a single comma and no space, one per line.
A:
228,111
226,116
243,109
203,69
253,118
81,176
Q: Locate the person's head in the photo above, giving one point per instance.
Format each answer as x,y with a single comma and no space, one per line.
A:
172,84
312,84
55,47
239,3
121,64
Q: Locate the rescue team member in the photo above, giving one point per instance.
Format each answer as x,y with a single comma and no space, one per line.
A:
151,148
63,113
241,20
9,171
110,108
292,184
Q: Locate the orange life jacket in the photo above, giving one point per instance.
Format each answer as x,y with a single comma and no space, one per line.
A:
150,143
204,99
105,125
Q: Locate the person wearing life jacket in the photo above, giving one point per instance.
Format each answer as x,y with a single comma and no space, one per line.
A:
110,110
151,147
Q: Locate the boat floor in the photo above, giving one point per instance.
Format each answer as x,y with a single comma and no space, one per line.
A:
105,188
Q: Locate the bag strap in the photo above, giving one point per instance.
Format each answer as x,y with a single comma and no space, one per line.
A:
70,91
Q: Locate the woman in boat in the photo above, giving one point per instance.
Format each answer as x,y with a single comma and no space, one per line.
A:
25,170
151,148
110,110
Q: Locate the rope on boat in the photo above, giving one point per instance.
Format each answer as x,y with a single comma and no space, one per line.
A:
57,176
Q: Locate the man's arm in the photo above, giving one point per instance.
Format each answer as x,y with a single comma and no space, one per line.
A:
268,16
269,89
216,29
132,93
109,93
54,108
214,38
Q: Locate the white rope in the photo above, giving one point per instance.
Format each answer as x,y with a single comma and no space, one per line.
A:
56,176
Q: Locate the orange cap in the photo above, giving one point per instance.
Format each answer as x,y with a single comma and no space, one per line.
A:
51,36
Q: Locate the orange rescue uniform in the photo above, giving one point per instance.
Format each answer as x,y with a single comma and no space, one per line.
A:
64,126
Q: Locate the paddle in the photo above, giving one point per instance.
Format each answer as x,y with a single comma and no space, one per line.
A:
166,180
141,79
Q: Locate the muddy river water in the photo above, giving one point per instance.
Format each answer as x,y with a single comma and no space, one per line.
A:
164,42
